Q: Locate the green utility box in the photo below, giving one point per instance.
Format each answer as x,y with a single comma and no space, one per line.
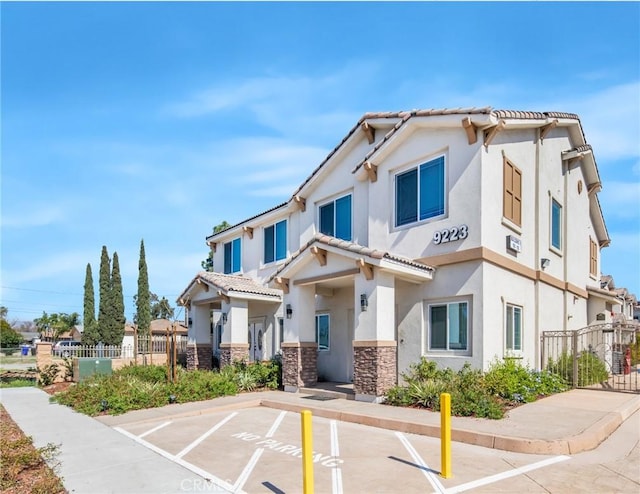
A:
84,367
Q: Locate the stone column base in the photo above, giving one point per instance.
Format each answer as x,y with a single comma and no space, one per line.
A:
232,352
199,356
375,369
299,365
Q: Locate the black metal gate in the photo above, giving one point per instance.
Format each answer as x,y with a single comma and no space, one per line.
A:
602,356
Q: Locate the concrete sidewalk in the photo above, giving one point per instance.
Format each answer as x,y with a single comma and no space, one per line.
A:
95,458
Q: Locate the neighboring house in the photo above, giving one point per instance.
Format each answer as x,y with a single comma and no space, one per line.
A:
157,328
459,235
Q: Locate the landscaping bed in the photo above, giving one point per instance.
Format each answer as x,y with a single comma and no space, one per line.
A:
507,384
23,466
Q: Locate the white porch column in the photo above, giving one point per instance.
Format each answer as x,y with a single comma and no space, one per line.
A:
378,321
299,349
199,350
374,345
234,345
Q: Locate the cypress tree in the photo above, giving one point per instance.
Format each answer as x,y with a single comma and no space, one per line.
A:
104,306
90,335
143,300
117,304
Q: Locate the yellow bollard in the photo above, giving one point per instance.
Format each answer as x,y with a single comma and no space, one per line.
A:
445,435
307,452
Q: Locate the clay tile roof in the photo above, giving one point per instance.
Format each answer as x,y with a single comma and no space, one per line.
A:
240,284
354,248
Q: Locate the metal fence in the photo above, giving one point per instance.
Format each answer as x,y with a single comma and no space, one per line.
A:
597,357
142,345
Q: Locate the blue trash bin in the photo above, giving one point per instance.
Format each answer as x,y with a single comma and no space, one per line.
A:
25,350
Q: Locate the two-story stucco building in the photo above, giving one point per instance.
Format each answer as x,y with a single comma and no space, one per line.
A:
459,235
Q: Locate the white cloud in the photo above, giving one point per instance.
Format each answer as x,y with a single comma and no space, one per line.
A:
621,199
293,105
40,216
57,265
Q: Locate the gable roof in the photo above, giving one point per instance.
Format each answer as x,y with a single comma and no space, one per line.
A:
382,259
491,118
231,286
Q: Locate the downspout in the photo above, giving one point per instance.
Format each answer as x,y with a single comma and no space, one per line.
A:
537,333
565,244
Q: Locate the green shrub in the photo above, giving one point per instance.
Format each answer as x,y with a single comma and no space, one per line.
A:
591,369
200,385
48,374
473,393
149,373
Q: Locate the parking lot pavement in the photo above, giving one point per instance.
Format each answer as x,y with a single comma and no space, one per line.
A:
259,450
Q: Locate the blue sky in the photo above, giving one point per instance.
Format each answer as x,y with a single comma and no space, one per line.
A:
156,121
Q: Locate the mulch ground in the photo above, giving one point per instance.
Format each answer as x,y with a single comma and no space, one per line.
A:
21,465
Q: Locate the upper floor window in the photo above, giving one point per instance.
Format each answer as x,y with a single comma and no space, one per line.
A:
593,258
275,242
556,224
514,328
420,192
512,193
335,218
448,326
232,260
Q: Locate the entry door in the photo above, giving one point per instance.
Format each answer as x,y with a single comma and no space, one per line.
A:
255,339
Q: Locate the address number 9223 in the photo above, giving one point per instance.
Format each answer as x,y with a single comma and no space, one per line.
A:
451,234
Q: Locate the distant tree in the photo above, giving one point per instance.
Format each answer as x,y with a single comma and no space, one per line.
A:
142,299
117,305
207,264
9,338
3,312
161,309
105,317
90,334
55,324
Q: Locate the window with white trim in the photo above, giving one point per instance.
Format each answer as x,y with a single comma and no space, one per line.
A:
513,328
323,325
448,326
420,192
593,258
232,256
275,242
335,218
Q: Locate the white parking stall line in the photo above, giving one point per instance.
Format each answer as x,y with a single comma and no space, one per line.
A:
206,435
505,475
433,480
276,424
197,470
157,428
244,476
336,472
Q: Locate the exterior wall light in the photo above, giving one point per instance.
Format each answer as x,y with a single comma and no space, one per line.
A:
289,311
544,263
190,322
224,318
364,302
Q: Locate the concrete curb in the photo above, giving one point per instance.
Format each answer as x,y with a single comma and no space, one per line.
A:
585,440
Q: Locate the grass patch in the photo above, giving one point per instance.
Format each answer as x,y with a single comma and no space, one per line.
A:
473,393
136,387
17,383
24,467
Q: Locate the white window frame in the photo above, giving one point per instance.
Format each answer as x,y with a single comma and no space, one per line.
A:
513,307
275,241
416,166
334,200
328,348
557,250
427,318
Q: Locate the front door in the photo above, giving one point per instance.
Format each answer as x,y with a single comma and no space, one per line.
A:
255,338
